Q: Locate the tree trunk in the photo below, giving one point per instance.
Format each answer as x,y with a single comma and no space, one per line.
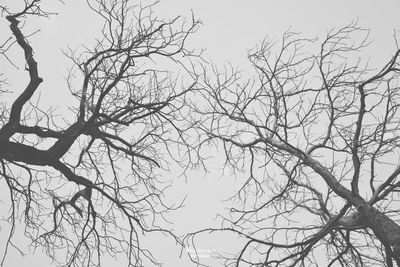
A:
386,230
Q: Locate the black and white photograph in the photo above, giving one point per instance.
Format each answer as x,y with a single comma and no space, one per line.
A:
183,133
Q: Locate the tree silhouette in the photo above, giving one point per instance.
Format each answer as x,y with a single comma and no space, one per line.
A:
87,183
318,134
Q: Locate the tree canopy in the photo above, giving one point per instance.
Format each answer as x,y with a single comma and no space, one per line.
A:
317,133
88,183
311,140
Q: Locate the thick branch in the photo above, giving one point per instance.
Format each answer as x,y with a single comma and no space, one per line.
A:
35,80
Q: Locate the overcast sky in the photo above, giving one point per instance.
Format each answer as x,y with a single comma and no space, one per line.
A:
230,28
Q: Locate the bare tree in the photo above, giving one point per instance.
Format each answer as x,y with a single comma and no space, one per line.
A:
318,134
88,183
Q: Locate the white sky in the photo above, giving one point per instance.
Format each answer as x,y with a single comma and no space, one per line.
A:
230,29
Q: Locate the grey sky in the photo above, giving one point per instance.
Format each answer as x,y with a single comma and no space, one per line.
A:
230,29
